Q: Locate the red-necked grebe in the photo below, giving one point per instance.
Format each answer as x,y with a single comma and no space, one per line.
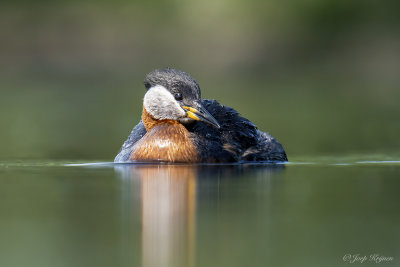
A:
178,126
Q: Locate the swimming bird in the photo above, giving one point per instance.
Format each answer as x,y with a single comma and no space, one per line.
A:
178,126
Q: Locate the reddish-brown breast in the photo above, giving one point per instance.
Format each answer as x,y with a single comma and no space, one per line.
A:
165,140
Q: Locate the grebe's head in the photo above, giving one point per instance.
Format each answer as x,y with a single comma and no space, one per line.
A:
174,95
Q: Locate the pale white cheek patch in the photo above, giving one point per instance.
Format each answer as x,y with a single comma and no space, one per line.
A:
161,104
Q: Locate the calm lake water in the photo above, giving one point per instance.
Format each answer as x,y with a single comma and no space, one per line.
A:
305,213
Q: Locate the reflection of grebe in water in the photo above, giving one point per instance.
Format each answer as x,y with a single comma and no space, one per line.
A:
168,206
178,126
168,196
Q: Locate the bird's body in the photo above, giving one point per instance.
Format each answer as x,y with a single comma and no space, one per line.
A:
193,130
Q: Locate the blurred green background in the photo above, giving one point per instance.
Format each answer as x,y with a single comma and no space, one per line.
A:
322,76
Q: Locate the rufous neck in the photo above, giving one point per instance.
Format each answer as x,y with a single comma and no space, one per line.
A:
149,122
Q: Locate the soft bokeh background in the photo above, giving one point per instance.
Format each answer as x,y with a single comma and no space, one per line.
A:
320,75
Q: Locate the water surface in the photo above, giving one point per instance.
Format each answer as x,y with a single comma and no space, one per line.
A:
305,213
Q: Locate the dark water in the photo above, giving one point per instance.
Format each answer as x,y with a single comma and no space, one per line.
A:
305,213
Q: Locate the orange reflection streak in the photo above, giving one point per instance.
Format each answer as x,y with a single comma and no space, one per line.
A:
168,215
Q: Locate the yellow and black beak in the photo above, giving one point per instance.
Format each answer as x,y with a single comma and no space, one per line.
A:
201,114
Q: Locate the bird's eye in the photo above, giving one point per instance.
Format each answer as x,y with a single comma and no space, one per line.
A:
178,96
